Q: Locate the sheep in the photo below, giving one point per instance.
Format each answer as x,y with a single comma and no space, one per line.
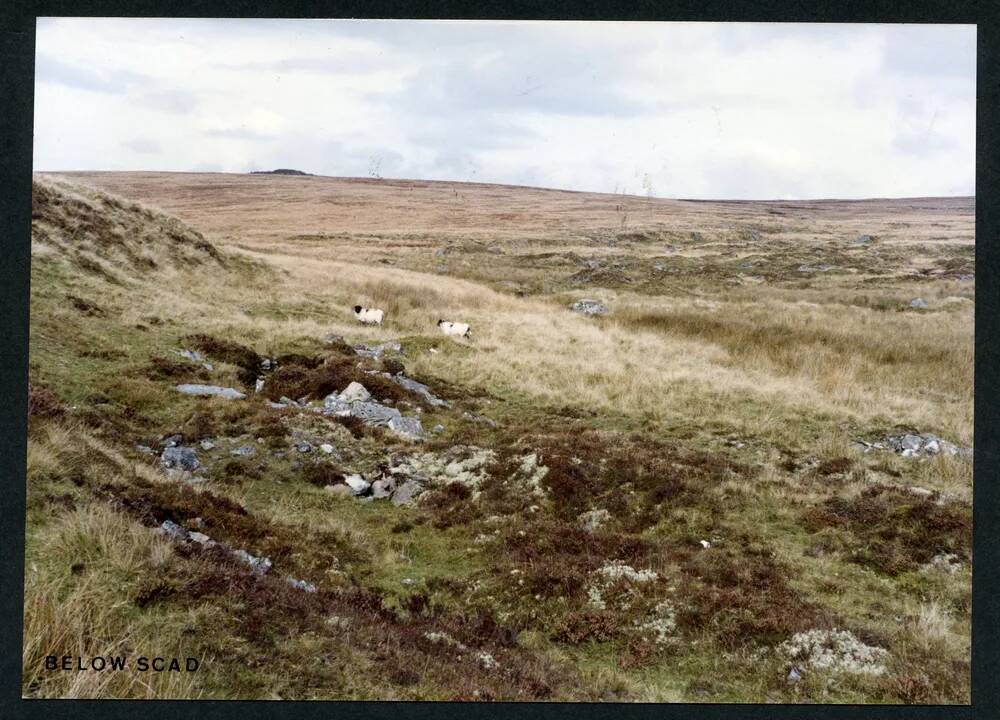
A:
454,328
368,316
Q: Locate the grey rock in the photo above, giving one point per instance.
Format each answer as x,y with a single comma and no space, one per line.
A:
207,444
303,447
267,364
408,581
259,565
301,584
407,493
966,277
420,389
383,488
173,440
407,427
259,385
794,676
210,390
864,239
589,307
357,484
172,529
374,413
244,451
326,448
201,539
333,339
287,401
355,392
145,449
919,303
437,428
180,457
755,235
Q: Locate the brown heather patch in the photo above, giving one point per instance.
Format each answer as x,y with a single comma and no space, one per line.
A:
329,375
741,595
322,474
43,403
895,531
230,352
160,368
578,627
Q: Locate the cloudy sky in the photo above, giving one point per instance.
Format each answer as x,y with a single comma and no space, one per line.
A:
695,110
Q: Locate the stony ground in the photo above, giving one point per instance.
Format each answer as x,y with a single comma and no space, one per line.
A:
691,452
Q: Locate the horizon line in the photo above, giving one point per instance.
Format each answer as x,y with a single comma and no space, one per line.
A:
373,180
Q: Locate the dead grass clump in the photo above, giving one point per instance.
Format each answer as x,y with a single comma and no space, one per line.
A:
895,531
835,466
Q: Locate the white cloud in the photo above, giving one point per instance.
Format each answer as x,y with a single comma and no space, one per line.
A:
676,109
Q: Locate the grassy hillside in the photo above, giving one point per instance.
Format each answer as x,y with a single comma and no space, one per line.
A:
579,469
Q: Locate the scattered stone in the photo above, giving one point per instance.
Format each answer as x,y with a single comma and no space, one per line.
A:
211,390
207,444
259,565
864,240
948,562
201,539
919,303
333,339
286,401
481,419
355,392
173,440
594,519
755,236
375,352
794,676
420,389
408,581
172,529
244,451
181,458
705,544
967,277
439,428
589,307
910,445
301,584
259,386
303,447
326,448
267,364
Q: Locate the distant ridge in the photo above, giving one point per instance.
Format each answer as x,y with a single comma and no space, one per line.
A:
279,171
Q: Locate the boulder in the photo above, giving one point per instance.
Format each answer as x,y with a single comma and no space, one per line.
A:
355,392
407,427
406,494
210,390
357,484
383,488
589,307
180,457
244,451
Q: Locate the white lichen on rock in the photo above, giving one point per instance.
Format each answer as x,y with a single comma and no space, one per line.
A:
662,624
618,570
837,651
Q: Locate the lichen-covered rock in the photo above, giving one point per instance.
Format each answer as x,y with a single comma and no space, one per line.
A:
181,458
837,651
589,307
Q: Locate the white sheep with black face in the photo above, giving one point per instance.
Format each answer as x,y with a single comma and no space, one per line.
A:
454,329
368,316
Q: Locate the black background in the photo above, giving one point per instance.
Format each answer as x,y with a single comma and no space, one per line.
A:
17,44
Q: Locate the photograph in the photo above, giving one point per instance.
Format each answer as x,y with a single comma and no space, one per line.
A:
500,360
